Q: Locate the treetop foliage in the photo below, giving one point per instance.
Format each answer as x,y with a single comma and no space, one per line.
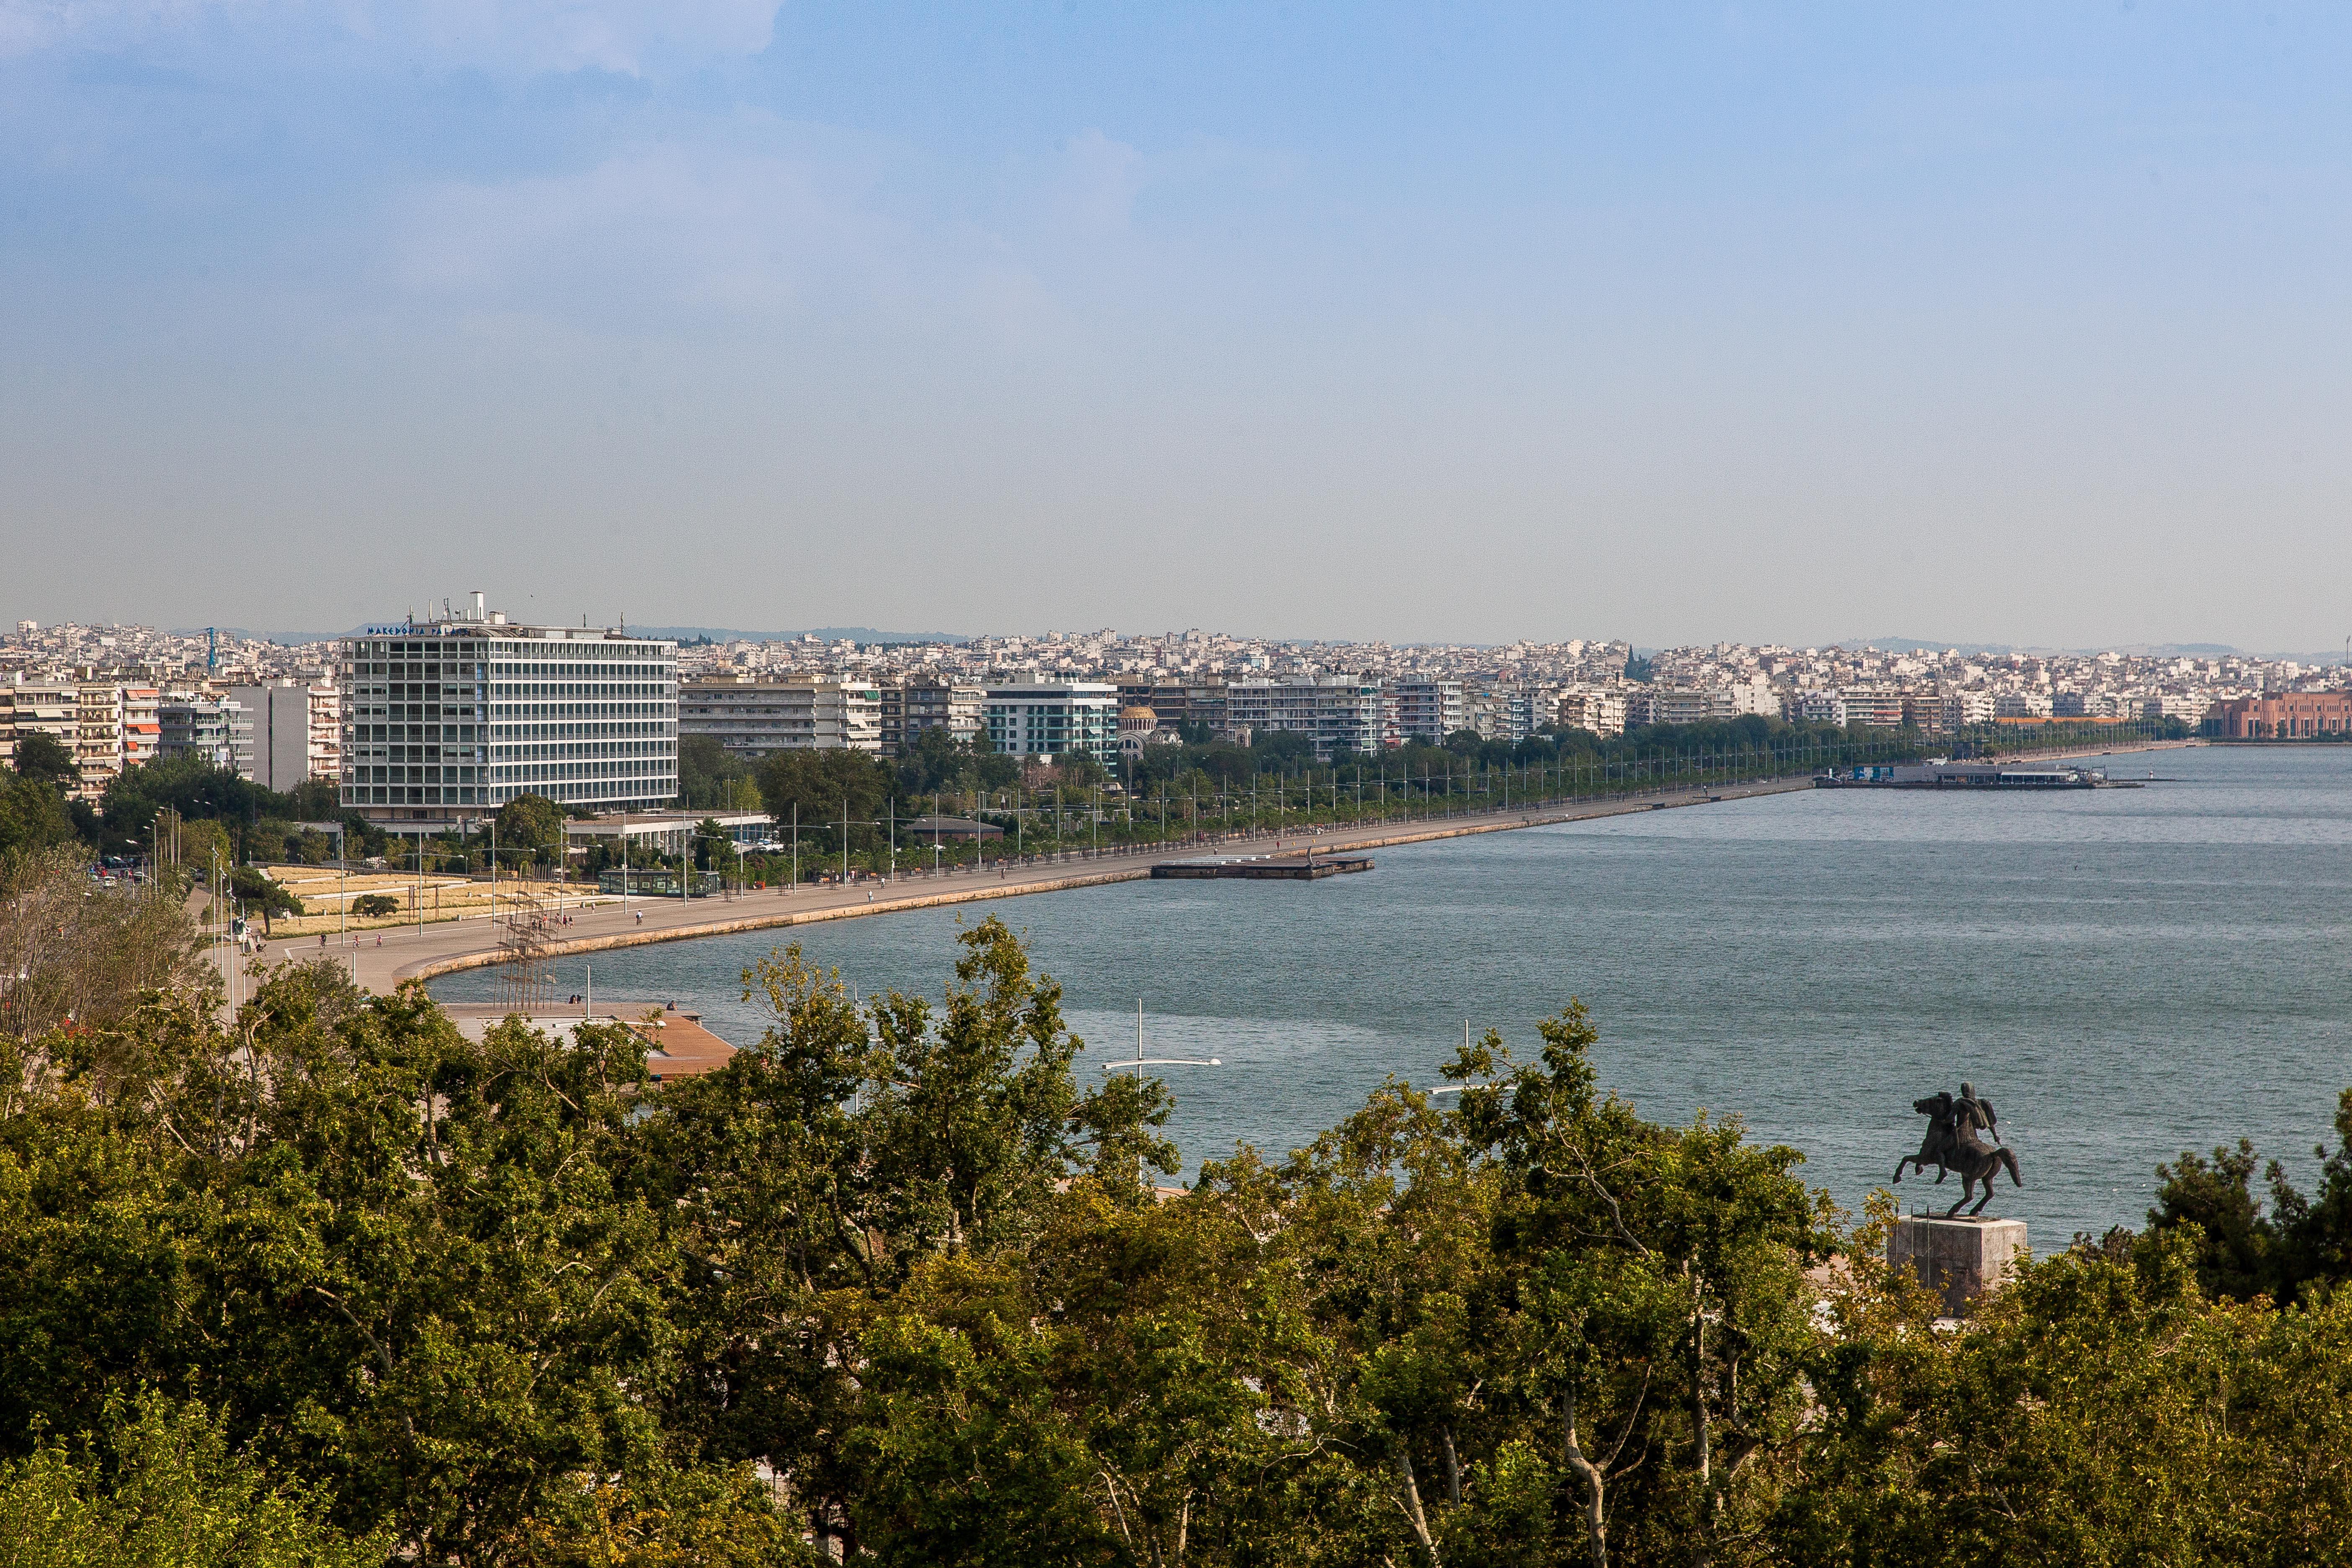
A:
898,1284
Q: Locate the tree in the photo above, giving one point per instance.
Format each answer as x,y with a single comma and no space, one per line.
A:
708,775
45,759
822,785
254,890
72,951
531,825
375,906
161,1487
2300,1245
33,814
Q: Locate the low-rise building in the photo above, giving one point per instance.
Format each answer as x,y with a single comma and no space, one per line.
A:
2286,715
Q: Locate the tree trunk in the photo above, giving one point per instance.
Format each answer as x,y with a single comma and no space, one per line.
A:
1699,1427
1412,1510
1596,1528
1452,1468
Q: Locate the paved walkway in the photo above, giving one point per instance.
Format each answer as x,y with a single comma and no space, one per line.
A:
418,953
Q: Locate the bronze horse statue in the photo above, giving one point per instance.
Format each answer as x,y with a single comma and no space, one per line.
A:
1952,1144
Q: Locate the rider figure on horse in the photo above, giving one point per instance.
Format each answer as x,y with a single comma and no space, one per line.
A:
1969,1112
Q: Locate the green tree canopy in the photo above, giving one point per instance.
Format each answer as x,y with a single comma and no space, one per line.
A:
824,786
530,824
45,759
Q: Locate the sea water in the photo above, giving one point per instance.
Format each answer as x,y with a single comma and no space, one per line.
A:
2123,973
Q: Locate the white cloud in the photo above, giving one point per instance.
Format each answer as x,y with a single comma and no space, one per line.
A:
522,36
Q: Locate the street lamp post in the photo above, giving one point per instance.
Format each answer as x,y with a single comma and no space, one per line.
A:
1137,1062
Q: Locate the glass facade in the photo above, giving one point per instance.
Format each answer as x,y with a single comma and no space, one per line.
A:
449,723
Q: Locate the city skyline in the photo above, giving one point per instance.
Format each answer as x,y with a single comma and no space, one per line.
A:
2015,326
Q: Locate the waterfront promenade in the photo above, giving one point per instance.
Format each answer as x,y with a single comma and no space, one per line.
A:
420,954
447,946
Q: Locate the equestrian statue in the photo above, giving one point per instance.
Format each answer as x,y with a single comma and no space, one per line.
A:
1952,1144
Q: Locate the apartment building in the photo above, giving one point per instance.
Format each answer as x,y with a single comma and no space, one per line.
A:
1336,713
1426,710
48,708
1877,708
444,722
277,751
754,717
1046,718
214,731
1595,712
1963,709
326,760
2189,708
921,702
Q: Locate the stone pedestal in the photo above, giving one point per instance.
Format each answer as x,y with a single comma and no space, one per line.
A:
1959,1259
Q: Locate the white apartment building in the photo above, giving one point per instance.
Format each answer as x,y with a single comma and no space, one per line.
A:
444,722
2188,708
1879,709
1425,711
1044,719
1595,712
1337,712
1817,708
326,726
2023,705
753,717
1962,709
48,708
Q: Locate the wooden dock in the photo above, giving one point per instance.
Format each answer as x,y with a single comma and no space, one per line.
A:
1268,867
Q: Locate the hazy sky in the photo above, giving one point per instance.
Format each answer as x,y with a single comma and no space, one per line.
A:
2007,322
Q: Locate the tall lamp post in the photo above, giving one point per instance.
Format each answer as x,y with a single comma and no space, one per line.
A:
1137,1062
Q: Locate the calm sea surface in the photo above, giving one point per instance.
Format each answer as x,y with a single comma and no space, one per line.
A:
2123,973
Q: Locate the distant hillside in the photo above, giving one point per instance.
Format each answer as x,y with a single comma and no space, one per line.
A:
2141,650
676,634
826,634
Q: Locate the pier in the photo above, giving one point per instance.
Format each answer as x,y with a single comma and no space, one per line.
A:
1267,867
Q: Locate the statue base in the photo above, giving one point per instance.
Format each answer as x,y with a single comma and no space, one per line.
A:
1959,1258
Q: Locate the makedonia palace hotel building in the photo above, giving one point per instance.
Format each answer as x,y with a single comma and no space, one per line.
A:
444,722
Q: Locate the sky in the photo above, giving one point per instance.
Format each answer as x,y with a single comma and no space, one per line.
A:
2022,324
